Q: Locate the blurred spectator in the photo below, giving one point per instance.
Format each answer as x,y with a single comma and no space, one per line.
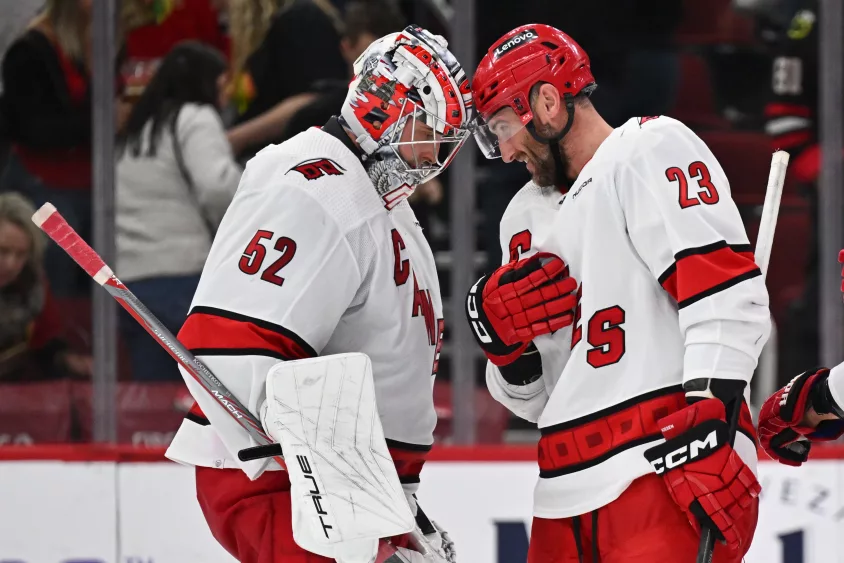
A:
30,344
792,124
364,22
175,178
279,48
15,17
792,112
47,107
16,14
152,28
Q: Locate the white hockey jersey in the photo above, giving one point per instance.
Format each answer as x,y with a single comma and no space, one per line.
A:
836,384
307,261
669,292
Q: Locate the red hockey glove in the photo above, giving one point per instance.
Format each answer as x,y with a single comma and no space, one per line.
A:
704,474
518,302
781,433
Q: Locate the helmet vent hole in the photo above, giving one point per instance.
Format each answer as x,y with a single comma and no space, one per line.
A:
550,45
426,90
562,60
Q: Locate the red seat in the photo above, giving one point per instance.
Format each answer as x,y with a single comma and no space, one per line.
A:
35,413
490,416
746,159
148,414
708,22
695,104
77,330
786,275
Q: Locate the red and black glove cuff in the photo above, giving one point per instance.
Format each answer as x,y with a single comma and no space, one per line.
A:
695,444
781,433
495,349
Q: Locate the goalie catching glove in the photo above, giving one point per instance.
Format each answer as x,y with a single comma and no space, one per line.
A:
427,544
783,433
518,302
704,474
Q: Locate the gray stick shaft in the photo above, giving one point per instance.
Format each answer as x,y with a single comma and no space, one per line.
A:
195,367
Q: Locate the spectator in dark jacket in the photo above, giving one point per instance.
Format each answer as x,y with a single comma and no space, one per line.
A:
279,48
364,21
31,346
47,108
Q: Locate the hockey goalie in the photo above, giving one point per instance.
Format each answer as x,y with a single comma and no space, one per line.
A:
627,318
319,308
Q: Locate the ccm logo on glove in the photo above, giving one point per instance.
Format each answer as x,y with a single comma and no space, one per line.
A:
687,447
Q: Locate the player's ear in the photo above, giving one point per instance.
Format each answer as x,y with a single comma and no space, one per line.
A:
548,107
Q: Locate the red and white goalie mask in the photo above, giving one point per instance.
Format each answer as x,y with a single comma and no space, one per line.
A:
408,106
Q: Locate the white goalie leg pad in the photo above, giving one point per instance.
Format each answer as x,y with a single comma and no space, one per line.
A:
344,487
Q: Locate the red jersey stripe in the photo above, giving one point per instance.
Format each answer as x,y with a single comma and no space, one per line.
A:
700,272
791,139
209,332
780,109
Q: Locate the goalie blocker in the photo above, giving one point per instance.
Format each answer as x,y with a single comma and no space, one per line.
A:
341,492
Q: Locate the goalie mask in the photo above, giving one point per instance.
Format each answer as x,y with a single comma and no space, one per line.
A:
408,107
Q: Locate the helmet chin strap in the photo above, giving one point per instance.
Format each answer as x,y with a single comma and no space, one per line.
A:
560,179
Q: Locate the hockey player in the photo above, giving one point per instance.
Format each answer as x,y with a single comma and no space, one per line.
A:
320,254
631,370
810,408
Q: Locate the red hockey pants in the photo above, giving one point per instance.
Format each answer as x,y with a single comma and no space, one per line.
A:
251,519
643,525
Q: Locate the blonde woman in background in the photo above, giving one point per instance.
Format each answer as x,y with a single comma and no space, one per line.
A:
31,343
279,48
46,106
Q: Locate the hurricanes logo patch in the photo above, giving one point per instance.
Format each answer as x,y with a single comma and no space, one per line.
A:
317,168
515,41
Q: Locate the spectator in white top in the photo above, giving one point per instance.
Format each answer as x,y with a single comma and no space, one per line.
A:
175,178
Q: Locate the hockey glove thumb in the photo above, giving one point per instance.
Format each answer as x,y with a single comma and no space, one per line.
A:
781,431
518,302
704,474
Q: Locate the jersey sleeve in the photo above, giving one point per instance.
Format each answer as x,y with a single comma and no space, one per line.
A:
836,384
525,401
686,228
280,275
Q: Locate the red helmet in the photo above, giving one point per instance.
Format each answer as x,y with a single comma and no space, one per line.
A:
523,57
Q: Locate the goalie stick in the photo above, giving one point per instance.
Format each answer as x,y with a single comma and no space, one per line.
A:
762,255
54,225
49,220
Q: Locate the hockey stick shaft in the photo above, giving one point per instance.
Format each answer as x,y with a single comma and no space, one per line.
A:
49,220
762,255
54,225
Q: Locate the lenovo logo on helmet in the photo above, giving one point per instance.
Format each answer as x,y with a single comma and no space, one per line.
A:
685,453
517,40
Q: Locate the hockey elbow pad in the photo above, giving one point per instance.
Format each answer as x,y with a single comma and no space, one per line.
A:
518,302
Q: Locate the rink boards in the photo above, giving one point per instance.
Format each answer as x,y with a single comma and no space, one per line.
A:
99,505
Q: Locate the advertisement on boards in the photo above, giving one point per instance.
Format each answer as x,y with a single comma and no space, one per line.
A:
56,512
